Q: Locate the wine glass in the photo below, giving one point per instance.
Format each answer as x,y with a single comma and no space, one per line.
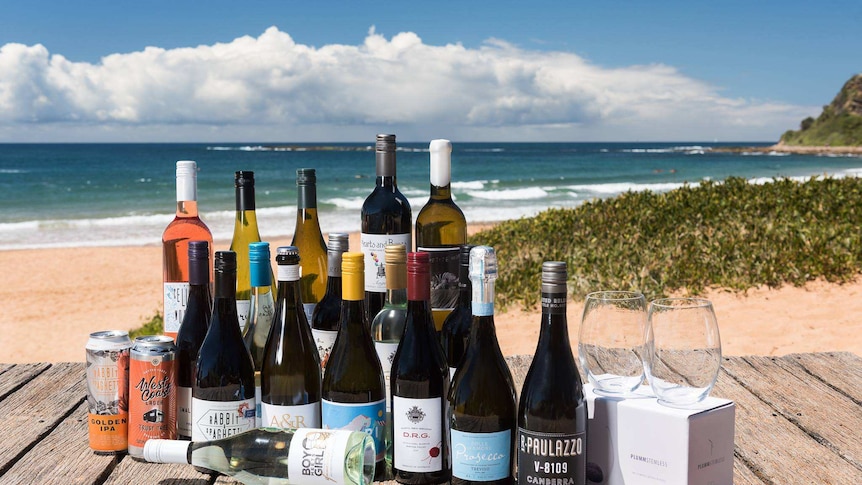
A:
611,341
683,350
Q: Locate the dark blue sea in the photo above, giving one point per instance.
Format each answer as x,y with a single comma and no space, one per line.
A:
67,195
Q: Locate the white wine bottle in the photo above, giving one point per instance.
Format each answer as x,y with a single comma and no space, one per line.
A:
309,240
273,456
261,312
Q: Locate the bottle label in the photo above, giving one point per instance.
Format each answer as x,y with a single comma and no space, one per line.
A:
417,434
554,303
324,339
551,457
374,248
243,308
309,310
213,420
176,299
444,276
317,457
386,354
369,418
290,417
258,411
481,457
184,412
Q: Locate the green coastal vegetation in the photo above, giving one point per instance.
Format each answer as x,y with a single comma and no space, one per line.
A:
840,123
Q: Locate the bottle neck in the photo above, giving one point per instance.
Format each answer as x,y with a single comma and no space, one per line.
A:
187,208
244,199
306,220
306,196
555,329
396,297
199,272
333,261
386,169
225,285
288,283
441,192
352,286
483,297
465,288
388,182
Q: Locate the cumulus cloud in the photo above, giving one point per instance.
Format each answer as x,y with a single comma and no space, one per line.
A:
493,91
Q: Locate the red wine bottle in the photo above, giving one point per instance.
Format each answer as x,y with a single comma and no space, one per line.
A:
456,327
327,314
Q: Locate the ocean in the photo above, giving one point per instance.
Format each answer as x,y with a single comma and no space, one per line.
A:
71,195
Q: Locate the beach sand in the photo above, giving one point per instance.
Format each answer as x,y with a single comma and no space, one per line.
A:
54,298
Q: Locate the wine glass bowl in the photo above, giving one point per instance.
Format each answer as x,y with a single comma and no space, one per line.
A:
683,354
611,341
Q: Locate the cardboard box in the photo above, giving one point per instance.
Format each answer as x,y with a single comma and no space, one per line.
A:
637,441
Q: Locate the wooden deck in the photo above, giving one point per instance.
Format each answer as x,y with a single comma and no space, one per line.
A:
798,420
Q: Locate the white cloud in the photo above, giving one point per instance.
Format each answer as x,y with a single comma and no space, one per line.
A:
270,87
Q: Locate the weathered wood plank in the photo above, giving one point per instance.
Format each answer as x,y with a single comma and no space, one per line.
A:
827,416
742,475
840,370
775,449
131,470
16,375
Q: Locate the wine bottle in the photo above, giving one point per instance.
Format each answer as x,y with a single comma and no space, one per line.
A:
456,327
327,313
260,313
354,396
552,413
192,332
186,226
223,393
388,324
309,240
420,381
291,367
277,457
386,219
245,232
482,407
440,229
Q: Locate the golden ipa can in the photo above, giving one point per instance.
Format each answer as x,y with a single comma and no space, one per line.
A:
108,390
152,392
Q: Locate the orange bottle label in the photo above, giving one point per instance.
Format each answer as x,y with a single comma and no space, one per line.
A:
152,401
108,432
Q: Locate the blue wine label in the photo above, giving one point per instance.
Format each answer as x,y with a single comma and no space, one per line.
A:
551,457
481,457
369,418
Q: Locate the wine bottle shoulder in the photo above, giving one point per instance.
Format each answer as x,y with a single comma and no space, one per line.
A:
386,203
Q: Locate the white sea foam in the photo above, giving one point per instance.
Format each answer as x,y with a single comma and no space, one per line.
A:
510,194
346,203
621,187
469,185
12,170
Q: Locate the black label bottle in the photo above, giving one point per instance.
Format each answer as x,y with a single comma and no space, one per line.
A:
290,376
483,411
456,327
552,415
261,311
386,219
327,314
420,381
309,240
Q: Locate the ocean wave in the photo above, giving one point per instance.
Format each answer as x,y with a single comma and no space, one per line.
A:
527,193
346,203
484,150
469,185
12,170
687,149
621,187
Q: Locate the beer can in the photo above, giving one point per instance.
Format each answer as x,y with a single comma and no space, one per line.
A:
108,390
152,392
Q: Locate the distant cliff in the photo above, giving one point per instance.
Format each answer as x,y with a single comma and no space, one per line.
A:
840,123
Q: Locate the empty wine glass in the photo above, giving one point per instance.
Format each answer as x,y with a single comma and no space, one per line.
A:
611,341
683,350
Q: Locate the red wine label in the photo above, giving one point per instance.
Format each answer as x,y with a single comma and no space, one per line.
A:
554,303
317,456
551,457
444,276
374,249
213,420
176,299
417,434
386,354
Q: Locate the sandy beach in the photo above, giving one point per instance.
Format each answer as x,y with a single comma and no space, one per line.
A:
54,298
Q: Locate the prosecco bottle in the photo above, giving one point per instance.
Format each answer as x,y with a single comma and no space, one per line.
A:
353,391
327,313
456,327
420,381
192,332
260,313
440,229
483,410
386,219
309,240
186,226
223,393
552,414
290,376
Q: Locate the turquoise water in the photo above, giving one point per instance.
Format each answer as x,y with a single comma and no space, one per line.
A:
66,195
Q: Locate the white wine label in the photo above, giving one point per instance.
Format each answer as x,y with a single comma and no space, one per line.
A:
417,434
243,307
324,339
213,420
386,354
551,457
374,248
176,299
367,417
444,276
288,272
300,416
184,412
481,457
318,456
309,310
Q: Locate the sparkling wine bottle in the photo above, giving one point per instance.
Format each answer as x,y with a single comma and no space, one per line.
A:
309,240
291,366
269,456
552,414
354,396
223,393
386,219
260,313
483,410
456,327
327,314
440,229
185,227
192,332
420,381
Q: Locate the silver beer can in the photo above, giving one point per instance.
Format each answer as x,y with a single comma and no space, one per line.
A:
108,390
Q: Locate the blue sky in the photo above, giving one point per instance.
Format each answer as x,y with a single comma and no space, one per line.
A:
574,71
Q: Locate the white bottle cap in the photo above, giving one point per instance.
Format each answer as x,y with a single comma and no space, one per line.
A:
166,451
441,162
187,175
